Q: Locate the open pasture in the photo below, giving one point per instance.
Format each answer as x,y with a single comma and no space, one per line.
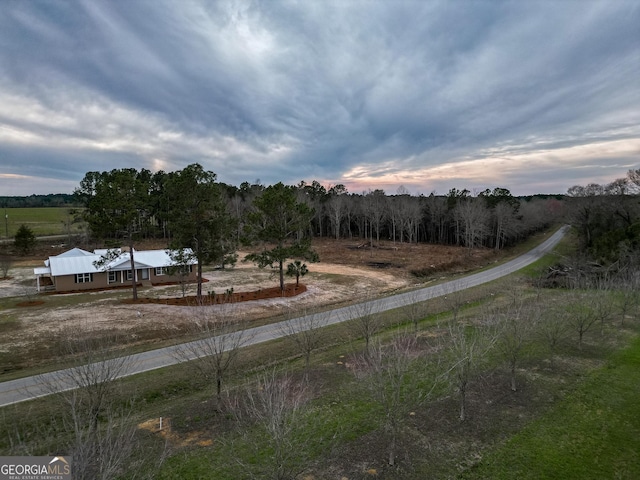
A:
42,221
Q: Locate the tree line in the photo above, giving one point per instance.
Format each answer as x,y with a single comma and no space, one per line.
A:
34,201
607,219
489,218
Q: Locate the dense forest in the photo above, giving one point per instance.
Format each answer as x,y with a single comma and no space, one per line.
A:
607,217
491,218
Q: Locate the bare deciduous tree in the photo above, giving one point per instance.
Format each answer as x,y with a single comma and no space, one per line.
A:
391,374
628,298
92,382
467,346
505,223
105,452
103,433
601,301
552,327
6,262
366,320
454,298
415,310
581,315
336,206
377,212
307,332
29,293
410,212
516,324
220,336
436,207
474,218
393,215
272,414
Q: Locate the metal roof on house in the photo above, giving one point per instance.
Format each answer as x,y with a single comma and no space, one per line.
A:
158,258
80,261
144,259
74,252
105,251
73,264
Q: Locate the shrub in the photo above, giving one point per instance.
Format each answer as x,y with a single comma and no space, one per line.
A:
24,240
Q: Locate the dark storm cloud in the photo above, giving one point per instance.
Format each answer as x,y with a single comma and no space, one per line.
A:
373,94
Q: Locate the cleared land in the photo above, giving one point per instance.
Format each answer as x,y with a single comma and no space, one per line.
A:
348,271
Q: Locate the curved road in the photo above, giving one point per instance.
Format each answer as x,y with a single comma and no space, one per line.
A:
27,388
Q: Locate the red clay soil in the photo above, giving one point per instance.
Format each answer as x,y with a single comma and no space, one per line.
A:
125,286
32,303
290,290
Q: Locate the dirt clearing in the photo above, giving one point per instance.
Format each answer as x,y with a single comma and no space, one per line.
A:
348,271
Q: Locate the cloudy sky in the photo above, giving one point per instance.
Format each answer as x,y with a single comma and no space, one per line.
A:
534,96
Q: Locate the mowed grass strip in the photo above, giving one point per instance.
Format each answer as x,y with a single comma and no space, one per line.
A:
42,221
592,434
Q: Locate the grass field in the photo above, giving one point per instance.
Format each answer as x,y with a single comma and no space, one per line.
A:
594,433
42,221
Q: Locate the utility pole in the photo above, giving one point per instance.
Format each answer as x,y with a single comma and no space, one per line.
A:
6,221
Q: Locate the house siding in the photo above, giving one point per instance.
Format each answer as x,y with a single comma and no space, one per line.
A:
192,277
67,283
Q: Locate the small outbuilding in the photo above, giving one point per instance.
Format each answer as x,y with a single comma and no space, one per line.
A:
78,269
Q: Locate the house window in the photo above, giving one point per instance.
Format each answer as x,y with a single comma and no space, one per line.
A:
185,269
113,277
84,277
161,271
129,276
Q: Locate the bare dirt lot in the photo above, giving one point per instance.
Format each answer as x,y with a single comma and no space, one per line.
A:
348,270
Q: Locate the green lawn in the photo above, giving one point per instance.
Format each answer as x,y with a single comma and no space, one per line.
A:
42,221
592,434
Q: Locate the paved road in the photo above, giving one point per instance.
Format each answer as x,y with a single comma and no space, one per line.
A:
28,388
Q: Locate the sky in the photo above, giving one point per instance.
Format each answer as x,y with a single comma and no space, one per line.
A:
533,96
